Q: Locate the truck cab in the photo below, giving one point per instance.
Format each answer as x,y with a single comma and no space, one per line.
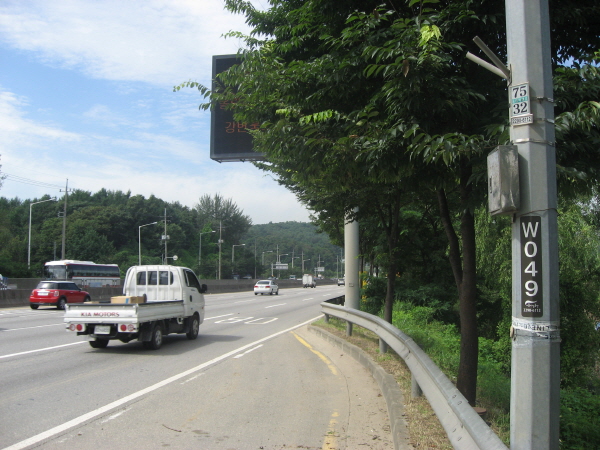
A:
161,283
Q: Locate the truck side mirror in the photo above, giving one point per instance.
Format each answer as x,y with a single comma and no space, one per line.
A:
203,289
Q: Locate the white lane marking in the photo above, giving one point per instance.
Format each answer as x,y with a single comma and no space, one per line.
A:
29,328
41,350
248,351
267,319
216,317
244,301
234,319
273,306
193,378
114,416
104,409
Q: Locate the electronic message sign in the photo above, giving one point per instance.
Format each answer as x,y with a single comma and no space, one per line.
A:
229,140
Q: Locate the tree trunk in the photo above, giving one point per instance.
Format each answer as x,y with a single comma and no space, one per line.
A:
466,281
391,290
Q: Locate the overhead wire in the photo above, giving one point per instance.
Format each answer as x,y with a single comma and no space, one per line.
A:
18,179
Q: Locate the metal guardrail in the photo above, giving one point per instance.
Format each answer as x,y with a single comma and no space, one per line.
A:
464,427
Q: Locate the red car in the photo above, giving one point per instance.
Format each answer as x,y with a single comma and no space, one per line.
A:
57,293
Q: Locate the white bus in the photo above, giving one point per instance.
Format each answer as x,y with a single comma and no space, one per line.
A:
83,273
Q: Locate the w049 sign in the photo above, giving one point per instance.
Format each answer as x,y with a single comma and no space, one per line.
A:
531,267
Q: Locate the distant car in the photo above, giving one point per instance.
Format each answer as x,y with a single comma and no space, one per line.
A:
341,282
266,287
57,293
247,277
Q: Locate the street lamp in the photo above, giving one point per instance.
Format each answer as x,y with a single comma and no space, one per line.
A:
233,254
263,256
140,240
278,262
29,242
200,247
303,265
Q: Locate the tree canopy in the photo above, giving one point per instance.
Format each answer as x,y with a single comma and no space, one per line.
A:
374,105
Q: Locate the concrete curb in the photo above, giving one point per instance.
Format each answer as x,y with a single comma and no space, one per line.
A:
387,383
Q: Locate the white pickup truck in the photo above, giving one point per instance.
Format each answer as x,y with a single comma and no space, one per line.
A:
158,300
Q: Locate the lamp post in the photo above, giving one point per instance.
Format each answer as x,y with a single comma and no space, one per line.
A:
303,265
263,256
140,240
278,261
29,241
200,248
233,255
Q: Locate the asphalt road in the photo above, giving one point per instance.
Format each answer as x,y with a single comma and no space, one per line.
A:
253,379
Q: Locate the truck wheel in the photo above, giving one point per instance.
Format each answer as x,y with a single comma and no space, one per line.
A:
157,339
61,303
99,343
195,326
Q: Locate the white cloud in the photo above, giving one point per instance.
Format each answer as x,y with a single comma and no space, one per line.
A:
156,41
145,163
144,139
15,127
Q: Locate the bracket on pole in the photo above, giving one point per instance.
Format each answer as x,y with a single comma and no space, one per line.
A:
497,68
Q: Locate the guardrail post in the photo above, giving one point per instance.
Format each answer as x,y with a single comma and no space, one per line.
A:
415,389
383,347
348,328
326,318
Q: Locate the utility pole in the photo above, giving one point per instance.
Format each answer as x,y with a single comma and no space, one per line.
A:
351,285
165,238
220,242
64,225
535,330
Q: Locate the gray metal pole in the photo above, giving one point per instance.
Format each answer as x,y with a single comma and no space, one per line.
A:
535,376
352,285
64,224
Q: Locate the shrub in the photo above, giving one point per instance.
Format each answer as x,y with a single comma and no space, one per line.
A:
579,420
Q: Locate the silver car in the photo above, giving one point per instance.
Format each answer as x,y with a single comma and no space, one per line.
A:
266,287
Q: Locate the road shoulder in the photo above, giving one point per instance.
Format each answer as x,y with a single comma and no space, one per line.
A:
370,424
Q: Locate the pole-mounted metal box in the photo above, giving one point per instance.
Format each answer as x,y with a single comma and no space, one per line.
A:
503,180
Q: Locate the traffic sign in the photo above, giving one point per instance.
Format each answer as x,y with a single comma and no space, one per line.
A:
520,105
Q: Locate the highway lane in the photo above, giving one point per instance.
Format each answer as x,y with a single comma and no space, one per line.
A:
51,377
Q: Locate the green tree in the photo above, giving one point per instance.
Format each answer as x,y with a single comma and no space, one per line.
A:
391,92
229,222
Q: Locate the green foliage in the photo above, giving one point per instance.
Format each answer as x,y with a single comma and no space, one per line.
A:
579,242
296,240
372,294
105,227
579,422
440,341
579,419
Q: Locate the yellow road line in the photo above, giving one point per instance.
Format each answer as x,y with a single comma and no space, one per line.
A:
319,354
330,441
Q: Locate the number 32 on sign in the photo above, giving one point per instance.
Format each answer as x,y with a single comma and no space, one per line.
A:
520,106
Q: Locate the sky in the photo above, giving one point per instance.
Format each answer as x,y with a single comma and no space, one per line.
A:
86,94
